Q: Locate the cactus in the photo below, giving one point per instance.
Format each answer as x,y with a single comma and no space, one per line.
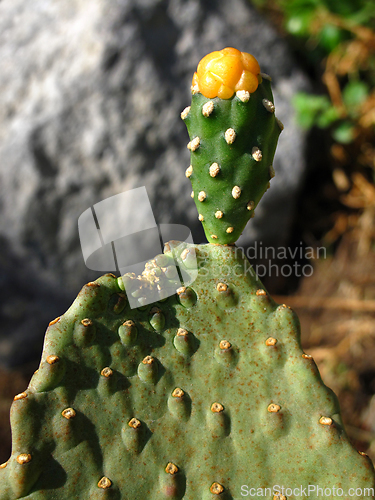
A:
233,135
201,395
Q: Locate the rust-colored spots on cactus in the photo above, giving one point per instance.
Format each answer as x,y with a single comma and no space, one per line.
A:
271,342
106,372
325,421
217,408
236,192
214,236
21,395
222,73
171,468
274,408
134,423
54,321
185,112
214,169
230,135
207,109
2,466
216,488
104,483
256,153
360,452
261,293
202,196
52,359
194,144
269,105
221,287
24,458
189,171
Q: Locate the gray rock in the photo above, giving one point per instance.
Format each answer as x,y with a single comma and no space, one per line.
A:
90,96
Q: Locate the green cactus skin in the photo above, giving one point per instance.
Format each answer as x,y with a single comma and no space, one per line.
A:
229,399
232,143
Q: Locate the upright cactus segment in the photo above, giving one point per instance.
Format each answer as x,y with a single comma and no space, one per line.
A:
205,394
212,399
233,135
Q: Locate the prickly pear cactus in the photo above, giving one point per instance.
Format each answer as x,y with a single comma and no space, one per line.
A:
233,135
194,397
203,395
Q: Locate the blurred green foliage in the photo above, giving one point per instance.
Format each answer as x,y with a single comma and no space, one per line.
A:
314,110
337,42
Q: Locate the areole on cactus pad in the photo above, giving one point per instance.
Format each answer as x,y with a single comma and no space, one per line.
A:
203,395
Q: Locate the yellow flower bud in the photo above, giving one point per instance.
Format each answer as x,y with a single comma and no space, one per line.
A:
222,73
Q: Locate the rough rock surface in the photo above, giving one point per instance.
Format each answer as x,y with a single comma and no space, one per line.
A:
90,96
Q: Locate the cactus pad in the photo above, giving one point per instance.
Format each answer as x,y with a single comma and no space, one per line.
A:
180,399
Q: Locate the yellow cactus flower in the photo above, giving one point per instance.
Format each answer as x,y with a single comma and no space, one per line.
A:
222,73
